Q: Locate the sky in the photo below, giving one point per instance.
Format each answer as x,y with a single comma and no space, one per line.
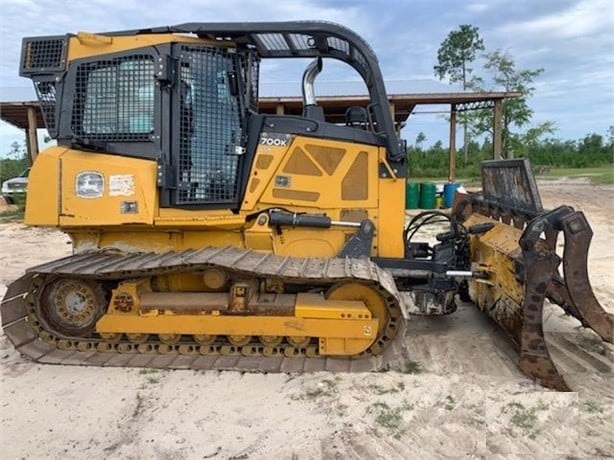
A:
572,40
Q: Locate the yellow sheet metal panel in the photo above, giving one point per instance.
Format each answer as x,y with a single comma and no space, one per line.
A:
319,173
100,189
223,219
311,175
43,202
266,162
503,237
86,44
391,218
136,238
309,242
260,234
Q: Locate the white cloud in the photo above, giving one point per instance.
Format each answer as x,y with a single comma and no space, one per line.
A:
586,18
476,7
571,39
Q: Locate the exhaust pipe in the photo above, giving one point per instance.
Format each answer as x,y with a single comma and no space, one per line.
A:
309,76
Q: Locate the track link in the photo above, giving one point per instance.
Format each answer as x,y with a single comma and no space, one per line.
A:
29,336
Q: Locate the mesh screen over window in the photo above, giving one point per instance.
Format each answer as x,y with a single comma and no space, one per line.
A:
45,90
115,99
43,54
209,128
250,66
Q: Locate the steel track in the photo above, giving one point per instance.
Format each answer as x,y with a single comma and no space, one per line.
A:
30,337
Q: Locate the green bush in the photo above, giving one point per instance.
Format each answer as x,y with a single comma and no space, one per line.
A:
10,167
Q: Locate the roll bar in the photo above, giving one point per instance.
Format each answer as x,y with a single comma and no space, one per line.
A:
302,39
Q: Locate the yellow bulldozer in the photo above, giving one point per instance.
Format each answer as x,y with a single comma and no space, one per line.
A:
208,235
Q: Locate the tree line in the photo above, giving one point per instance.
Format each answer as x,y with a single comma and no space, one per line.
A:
456,61
15,162
590,151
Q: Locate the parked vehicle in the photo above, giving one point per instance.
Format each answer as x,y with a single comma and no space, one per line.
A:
14,190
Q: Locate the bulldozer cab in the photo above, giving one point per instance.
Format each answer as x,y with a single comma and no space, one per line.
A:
187,96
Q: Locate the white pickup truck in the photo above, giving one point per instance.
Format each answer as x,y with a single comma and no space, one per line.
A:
13,190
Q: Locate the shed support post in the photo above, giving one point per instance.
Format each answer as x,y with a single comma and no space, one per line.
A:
452,153
496,131
398,125
31,137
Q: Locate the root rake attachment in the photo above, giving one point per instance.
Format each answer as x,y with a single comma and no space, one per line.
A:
518,257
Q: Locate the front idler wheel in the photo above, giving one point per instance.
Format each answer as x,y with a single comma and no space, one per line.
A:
71,307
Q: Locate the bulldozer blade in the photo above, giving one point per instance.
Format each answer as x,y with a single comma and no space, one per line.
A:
522,270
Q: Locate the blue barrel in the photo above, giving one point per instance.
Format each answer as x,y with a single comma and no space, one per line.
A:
449,190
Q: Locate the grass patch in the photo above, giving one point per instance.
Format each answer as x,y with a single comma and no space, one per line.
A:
152,375
598,175
326,388
525,418
476,421
411,367
601,175
390,418
476,418
381,390
593,407
594,346
12,214
150,370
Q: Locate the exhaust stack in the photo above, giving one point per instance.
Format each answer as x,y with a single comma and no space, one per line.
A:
309,76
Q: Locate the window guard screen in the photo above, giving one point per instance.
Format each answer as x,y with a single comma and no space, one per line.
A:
115,99
209,127
46,93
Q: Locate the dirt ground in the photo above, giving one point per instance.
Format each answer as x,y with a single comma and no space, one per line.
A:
467,401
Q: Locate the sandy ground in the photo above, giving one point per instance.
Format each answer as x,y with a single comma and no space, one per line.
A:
468,401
